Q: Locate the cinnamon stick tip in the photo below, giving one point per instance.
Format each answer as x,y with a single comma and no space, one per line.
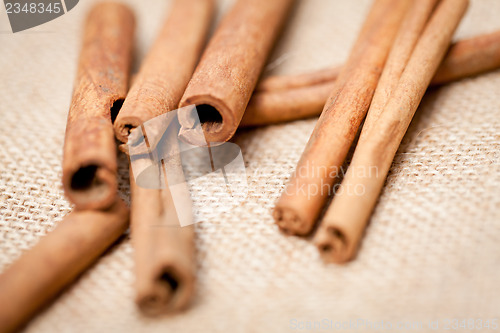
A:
332,245
289,221
123,126
171,292
92,186
217,121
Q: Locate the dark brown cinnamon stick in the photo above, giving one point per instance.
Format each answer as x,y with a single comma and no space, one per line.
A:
58,259
228,71
168,66
89,163
290,97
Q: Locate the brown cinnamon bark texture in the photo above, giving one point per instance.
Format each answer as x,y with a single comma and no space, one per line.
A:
287,82
470,57
168,66
273,107
228,71
409,34
164,249
58,259
389,116
290,97
89,163
164,252
310,185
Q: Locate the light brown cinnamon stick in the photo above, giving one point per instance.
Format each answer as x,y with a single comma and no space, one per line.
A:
287,82
273,107
58,259
310,185
168,66
89,163
469,57
290,97
389,116
228,71
164,250
164,253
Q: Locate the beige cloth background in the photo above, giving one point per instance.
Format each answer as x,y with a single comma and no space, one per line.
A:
432,250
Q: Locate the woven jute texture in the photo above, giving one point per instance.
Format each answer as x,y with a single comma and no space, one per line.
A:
431,251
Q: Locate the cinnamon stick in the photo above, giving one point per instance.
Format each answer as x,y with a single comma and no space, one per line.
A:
164,249
228,71
273,107
168,66
310,185
57,260
389,116
89,163
164,253
470,57
290,97
288,82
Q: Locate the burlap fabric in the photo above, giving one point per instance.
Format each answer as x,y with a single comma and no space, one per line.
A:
431,251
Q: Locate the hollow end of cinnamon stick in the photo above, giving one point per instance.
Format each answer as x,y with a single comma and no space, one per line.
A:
91,186
216,119
89,164
333,245
89,161
290,222
124,126
171,291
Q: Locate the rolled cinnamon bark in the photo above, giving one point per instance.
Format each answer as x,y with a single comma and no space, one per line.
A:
228,71
168,66
287,82
89,163
305,194
273,107
389,116
58,259
470,57
290,97
164,250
